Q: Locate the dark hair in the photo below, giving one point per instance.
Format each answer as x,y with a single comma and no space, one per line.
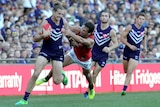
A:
7,29
57,6
105,11
90,26
142,13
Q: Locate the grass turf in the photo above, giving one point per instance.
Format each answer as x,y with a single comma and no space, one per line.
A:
141,99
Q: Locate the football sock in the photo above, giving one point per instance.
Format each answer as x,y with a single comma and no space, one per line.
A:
47,78
63,75
90,86
26,96
125,87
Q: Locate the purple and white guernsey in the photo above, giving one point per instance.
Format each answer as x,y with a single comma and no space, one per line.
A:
102,38
52,46
134,37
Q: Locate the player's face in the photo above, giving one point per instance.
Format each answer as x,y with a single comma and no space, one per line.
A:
84,31
140,20
104,17
58,14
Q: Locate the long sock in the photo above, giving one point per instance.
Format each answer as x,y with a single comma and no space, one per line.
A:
47,78
26,96
90,86
63,74
125,87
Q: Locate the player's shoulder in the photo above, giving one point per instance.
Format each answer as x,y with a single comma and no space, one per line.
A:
112,31
64,20
97,25
128,27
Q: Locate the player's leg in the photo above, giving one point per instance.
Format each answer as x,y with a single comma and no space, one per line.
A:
46,79
89,77
98,67
96,71
58,77
125,61
100,62
126,57
93,75
67,61
131,67
87,72
125,65
93,63
57,70
39,65
132,64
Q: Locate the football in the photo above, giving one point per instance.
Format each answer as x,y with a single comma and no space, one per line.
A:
47,26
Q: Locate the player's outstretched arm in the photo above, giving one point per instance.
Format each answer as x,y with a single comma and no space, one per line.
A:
85,41
89,42
74,29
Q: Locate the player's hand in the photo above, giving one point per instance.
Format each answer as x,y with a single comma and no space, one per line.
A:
106,49
63,31
144,50
47,32
133,48
66,32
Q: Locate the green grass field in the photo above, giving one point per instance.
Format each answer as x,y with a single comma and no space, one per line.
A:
147,99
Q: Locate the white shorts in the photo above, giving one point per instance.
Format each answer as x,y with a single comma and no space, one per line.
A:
83,64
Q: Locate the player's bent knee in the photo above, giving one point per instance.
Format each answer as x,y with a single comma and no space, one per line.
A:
57,81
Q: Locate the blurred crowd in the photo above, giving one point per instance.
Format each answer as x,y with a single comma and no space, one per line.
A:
20,20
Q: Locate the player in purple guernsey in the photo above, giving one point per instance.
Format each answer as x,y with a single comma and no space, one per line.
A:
51,51
133,36
103,36
52,45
